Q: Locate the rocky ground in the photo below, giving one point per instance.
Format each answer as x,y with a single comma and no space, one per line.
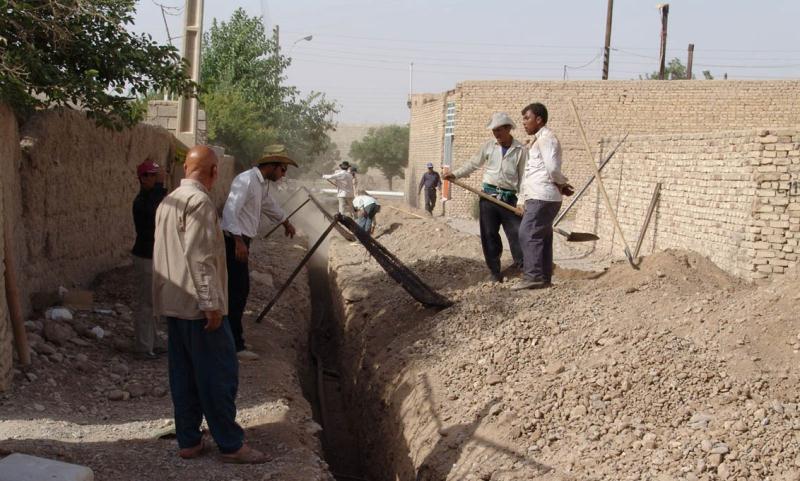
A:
84,401
675,371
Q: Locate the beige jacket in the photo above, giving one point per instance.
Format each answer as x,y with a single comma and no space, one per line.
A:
189,272
501,171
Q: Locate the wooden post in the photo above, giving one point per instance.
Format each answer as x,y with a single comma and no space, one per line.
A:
664,7
689,62
607,49
14,306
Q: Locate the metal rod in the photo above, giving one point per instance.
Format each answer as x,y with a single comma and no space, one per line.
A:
287,218
650,210
588,183
296,270
341,230
600,184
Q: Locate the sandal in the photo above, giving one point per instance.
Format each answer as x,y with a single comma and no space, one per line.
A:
197,451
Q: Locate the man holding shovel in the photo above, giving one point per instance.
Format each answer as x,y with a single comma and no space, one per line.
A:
505,164
542,188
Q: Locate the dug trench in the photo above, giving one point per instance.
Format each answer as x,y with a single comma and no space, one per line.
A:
674,371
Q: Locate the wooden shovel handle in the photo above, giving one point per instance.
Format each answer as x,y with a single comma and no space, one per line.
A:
484,195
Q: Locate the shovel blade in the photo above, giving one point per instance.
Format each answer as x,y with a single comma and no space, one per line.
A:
577,236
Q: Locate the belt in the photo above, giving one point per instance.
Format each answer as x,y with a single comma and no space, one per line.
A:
506,195
228,234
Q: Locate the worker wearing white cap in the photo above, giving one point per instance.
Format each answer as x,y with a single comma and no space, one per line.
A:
504,158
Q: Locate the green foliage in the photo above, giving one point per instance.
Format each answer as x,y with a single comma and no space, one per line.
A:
79,54
385,148
247,103
707,75
674,70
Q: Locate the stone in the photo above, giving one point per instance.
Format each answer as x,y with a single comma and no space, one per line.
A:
631,290
136,390
577,412
58,314
723,471
649,441
493,379
58,333
57,357
38,407
120,368
159,391
739,426
714,460
555,368
31,376
22,467
699,420
354,294
720,448
45,348
116,395
79,342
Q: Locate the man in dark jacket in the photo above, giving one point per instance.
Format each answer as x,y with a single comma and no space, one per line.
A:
430,182
151,193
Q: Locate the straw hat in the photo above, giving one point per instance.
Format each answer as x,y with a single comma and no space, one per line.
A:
274,154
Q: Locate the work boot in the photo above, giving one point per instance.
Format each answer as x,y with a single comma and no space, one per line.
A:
196,451
495,277
529,284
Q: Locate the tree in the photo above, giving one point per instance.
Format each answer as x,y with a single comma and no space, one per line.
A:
385,148
674,70
78,53
246,99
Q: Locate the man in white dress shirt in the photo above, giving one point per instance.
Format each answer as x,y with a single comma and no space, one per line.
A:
344,187
248,200
542,187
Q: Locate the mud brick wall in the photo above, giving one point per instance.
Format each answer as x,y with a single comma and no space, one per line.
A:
730,196
607,108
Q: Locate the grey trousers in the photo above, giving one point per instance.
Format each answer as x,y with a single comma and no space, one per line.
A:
536,239
144,323
346,206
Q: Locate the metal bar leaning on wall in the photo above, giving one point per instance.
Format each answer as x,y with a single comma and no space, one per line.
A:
650,209
600,184
588,182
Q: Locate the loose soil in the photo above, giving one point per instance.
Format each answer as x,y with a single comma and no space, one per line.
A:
61,406
674,371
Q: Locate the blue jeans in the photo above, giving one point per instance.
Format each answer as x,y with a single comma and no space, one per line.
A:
203,379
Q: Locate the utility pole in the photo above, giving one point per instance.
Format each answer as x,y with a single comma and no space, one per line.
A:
607,50
664,7
192,38
689,62
410,83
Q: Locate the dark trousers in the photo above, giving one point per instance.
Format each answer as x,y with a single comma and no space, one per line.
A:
493,216
536,238
238,289
430,199
203,379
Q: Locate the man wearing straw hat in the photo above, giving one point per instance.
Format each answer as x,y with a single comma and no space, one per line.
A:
504,158
248,200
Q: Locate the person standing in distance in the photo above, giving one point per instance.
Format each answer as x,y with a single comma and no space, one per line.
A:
430,182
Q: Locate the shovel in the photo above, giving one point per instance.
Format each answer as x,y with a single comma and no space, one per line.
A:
571,236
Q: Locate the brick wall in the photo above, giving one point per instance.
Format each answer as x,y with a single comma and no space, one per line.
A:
731,196
164,113
608,108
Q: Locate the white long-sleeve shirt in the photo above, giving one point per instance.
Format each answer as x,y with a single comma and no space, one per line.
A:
344,182
362,201
247,201
543,170
501,171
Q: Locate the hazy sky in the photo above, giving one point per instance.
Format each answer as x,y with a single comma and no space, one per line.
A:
361,50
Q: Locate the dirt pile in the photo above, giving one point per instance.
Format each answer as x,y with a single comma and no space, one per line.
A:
658,373
82,401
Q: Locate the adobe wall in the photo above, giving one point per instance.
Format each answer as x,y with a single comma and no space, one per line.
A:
733,197
607,108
